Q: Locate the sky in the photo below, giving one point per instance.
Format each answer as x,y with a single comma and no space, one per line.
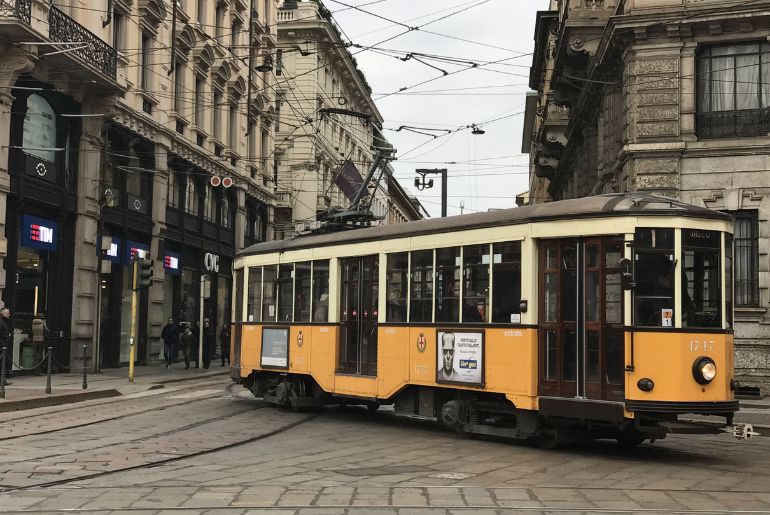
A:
485,171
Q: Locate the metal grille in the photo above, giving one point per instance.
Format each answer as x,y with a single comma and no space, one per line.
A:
746,258
94,51
21,9
732,124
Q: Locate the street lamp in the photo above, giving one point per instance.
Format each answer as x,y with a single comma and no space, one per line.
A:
420,183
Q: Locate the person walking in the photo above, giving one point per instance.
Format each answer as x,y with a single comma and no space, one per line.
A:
187,341
209,343
170,337
6,341
224,343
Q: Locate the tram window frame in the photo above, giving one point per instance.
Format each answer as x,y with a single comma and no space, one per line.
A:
421,275
320,304
448,306
269,286
254,299
285,292
397,285
476,277
697,246
729,299
506,282
303,277
654,247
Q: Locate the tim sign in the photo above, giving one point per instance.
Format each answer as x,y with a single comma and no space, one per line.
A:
39,233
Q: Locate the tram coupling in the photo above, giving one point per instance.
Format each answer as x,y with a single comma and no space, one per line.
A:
742,431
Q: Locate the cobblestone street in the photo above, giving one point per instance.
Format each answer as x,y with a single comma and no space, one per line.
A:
207,446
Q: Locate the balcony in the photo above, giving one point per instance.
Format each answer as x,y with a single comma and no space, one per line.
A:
64,41
733,124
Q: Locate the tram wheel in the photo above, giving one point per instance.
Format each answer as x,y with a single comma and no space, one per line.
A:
373,406
546,441
630,438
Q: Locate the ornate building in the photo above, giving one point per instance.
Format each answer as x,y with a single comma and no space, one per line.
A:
664,96
321,157
123,123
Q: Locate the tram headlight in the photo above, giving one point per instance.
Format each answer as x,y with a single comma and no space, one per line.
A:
704,370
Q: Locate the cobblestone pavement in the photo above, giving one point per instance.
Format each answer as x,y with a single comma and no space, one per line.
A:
207,449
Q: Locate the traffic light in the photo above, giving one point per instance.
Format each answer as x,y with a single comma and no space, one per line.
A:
145,272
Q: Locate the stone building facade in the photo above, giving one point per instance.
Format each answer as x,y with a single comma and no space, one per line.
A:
670,97
317,152
122,124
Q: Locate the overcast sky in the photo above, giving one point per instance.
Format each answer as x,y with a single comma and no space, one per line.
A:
489,169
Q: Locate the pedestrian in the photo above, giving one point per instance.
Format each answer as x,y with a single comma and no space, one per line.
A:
187,341
170,337
6,341
209,343
224,343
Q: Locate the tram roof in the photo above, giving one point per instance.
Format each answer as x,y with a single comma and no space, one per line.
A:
611,205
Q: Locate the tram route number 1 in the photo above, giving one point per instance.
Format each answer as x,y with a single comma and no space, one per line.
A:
701,345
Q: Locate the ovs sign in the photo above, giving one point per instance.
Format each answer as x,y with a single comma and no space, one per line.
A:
211,262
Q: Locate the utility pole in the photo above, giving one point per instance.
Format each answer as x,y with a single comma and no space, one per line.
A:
141,274
420,184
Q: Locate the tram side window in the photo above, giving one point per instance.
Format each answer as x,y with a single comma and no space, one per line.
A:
506,282
285,292
269,287
448,285
654,277
421,300
476,288
254,306
302,292
398,266
701,293
321,291
729,278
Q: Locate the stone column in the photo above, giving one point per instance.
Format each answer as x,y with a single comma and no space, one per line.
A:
13,63
156,298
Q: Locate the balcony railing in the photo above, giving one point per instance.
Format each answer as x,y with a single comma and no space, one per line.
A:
733,124
21,9
93,51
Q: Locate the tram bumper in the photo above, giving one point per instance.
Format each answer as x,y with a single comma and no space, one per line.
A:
690,417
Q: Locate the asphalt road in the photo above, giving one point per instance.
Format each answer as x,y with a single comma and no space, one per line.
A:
207,447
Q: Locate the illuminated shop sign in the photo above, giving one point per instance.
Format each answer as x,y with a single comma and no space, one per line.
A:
171,262
38,233
136,250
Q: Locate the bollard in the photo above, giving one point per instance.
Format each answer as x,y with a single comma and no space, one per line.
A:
131,361
48,379
2,372
85,379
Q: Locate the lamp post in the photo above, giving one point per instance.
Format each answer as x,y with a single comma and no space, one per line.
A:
420,184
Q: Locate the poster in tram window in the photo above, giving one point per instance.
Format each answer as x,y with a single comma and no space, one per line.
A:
275,347
460,357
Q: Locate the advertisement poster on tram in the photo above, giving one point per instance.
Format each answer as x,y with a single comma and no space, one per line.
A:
460,357
275,347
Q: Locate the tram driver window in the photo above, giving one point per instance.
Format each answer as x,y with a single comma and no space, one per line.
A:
254,306
398,266
654,277
506,282
701,294
448,285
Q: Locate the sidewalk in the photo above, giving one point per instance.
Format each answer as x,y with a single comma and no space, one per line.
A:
28,392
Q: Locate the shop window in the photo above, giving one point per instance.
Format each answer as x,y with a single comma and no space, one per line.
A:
734,90
190,197
285,292
506,282
746,258
701,292
254,304
320,291
39,132
421,299
654,277
302,286
269,290
397,284
209,205
448,285
476,264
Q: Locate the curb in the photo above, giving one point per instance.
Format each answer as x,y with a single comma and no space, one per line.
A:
56,400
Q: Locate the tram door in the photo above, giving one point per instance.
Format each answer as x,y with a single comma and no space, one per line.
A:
581,336
358,316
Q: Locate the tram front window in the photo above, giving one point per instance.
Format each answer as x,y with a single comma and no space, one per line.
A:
701,295
654,277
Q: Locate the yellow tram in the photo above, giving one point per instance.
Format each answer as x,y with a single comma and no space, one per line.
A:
600,317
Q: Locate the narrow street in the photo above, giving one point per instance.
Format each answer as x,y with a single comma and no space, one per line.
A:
209,447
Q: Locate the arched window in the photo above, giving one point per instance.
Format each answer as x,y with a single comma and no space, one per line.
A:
209,206
39,133
190,197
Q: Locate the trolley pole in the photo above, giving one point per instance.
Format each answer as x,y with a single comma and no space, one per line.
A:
134,321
